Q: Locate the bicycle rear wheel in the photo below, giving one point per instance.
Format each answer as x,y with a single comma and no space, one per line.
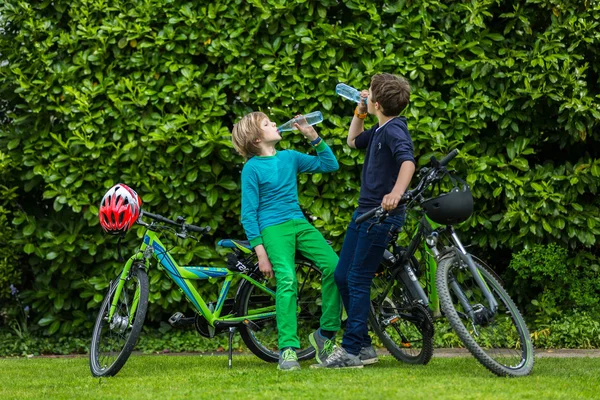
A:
113,341
404,327
263,341
501,342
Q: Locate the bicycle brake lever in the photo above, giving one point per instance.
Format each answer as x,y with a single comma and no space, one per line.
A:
380,215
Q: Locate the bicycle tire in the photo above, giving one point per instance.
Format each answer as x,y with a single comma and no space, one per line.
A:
102,366
308,317
488,348
410,338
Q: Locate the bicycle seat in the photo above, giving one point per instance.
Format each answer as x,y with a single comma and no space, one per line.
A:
243,245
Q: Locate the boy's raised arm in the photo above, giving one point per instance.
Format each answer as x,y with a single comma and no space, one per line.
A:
324,161
357,126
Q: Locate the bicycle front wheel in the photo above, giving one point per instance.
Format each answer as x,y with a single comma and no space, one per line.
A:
113,340
500,341
262,339
404,327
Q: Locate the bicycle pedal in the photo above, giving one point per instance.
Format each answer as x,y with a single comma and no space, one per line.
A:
251,325
175,319
390,320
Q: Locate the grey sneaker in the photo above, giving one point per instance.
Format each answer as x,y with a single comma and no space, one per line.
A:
323,346
368,355
340,359
288,360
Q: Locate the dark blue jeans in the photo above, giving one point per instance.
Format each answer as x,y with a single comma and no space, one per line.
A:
360,257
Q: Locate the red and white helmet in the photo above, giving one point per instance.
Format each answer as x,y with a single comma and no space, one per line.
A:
119,209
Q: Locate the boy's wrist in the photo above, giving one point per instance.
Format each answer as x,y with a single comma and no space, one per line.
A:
359,114
315,142
398,191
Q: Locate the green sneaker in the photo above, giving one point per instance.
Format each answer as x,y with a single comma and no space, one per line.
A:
323,346
288,360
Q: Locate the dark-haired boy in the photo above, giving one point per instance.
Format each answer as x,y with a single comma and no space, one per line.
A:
388,168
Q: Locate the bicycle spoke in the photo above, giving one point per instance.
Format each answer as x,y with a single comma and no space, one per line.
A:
397,321
113,340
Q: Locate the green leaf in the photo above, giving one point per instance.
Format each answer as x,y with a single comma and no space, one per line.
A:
228,184
212,197
192,175
54,327
495,37
537,187
13,144
59,302
46,320
29,229
546,226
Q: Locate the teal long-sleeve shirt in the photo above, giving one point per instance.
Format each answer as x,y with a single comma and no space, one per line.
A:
270,187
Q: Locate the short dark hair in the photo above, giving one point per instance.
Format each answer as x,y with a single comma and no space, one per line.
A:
392,92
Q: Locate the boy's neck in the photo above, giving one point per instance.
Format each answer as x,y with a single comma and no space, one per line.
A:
382,119
267,149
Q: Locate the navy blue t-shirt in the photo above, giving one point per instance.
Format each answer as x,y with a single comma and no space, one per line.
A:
387,148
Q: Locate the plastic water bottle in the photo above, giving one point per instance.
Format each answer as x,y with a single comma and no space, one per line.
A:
348,92
312,118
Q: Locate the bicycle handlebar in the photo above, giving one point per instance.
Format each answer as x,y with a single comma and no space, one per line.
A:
449,157
188,227
368,215
379,211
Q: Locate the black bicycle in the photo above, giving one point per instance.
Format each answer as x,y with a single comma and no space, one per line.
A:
407,296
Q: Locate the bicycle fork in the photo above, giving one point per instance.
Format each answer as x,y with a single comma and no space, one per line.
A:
466,259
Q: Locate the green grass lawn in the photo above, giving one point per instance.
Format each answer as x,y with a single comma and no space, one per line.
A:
207,377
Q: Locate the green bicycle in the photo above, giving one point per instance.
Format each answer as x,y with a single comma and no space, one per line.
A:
406,296
251,310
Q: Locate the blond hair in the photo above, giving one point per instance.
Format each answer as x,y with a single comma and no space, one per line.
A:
246,133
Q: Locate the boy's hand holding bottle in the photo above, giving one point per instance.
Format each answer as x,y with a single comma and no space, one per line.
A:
307,130
362,106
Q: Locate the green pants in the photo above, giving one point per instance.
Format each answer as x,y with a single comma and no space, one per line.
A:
281,242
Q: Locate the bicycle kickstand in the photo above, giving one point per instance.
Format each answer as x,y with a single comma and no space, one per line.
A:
231,333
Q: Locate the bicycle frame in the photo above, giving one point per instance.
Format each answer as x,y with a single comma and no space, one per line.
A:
430,231
182,276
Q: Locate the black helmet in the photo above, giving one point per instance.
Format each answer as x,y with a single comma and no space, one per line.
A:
450,208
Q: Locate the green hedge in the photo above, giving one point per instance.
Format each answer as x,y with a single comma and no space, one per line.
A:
144,92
